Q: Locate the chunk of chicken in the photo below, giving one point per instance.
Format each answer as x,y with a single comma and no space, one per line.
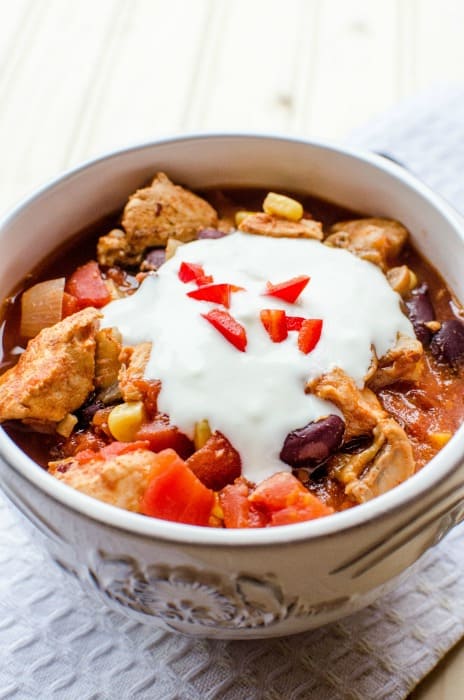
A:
55,374
386,463
401,279
378,240
120,480
151,216
278,227
107,363
401,362
114,249
360,407
134,360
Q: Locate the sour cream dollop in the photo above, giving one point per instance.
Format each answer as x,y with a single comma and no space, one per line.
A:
255,398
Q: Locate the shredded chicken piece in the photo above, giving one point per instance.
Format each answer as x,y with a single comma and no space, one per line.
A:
377,240
401,362
120,480
360,407
383,465
386,463
55,374
278,227
133,363
151,216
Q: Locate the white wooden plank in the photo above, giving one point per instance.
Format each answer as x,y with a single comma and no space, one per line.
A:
439,45
14,17
356,74
144,85
246,79
57,54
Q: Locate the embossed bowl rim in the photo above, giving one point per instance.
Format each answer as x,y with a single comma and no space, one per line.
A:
448,460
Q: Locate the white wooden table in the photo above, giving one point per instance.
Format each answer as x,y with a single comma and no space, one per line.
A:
79,77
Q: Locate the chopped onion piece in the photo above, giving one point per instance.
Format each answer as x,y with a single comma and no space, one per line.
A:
41,306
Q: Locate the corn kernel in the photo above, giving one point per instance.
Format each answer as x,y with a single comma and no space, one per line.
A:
241,215
282,206
125,420
439,440
216,510
201,434
171,247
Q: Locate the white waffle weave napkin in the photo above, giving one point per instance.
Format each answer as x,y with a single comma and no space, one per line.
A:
57,643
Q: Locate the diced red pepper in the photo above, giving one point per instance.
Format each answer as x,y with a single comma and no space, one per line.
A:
309,335
217,463
204,279
294,323
87,286
274,321
69,305
161,435
286,500
191,272
174,492
215,293
231,329
289,290
237,509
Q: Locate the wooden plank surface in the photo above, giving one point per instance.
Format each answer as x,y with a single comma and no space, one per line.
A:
79,77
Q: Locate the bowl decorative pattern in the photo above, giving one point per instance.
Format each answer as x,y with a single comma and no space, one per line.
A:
186,595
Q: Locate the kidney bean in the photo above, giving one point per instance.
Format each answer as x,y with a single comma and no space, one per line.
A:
448,343
153,260
210,233
312,445
420,312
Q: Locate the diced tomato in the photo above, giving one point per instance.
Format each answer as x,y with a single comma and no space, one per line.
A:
274,321
294,514
217,463
114,449
289,290
69,306
87,286
286,500
191,272
294,323
174,492
237,509
231,329
309,335
161,435
216,293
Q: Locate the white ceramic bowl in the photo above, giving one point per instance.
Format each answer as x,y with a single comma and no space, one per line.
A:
240,583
